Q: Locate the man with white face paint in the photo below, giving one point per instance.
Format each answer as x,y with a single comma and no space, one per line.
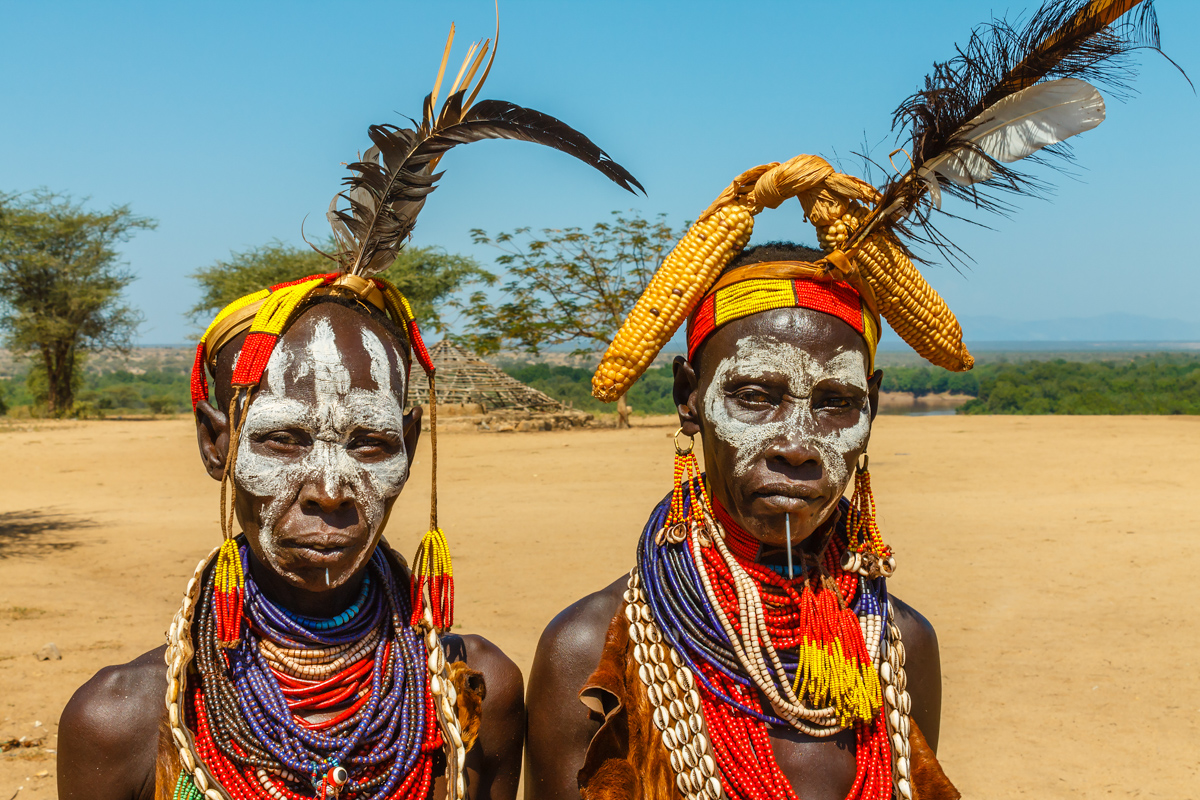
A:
323,453
743,656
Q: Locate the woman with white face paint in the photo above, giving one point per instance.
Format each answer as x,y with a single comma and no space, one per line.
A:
745,656
306,659
754,651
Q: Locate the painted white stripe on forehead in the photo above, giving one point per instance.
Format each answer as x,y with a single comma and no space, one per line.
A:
381,365
331,375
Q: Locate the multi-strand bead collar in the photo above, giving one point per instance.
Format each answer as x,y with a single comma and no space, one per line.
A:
762,646
355,706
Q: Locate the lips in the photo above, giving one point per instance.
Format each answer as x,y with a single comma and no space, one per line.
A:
323,548
788,498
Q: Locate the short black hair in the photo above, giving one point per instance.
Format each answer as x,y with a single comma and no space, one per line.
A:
774,251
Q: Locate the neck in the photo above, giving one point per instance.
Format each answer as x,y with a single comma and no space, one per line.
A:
747,548
318,605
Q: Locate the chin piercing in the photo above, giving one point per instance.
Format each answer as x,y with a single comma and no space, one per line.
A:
787,524
327,576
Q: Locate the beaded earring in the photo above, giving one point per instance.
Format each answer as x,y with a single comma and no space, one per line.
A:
866,553
229,592
690,482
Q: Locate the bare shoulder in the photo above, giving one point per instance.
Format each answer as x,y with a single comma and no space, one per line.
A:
504,682
560,727
576,634
494,763
916,630
108,732
923,665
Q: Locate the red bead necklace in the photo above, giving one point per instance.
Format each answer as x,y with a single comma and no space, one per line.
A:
794,612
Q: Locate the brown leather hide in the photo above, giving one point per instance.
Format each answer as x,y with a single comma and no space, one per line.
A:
471,689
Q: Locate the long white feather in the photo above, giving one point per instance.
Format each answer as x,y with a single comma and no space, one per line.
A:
1016,127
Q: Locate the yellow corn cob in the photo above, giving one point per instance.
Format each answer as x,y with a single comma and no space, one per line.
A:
685,275
915,311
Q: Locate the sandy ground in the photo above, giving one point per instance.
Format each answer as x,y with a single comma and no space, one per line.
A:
1055,556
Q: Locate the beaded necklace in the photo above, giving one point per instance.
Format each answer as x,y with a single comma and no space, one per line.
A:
303,707
811,646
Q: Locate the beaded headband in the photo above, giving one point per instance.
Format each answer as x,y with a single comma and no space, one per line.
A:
267,313
765,286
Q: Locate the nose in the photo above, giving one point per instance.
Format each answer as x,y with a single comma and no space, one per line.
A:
793,446
325,494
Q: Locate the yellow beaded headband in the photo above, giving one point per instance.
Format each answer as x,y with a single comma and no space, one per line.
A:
754,288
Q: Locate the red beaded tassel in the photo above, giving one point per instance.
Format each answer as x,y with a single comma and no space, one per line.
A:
749,770
433,572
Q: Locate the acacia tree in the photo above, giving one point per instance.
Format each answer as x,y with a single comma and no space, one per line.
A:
428,276
61,285
569,286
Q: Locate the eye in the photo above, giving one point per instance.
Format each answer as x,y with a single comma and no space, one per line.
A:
284,441
753,396
838,399
374,444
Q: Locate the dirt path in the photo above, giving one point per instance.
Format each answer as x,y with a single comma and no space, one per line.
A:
1053,555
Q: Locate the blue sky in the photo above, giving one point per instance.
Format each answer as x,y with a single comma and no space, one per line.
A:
228,122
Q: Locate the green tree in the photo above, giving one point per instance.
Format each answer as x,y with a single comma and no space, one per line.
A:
569,286
61,285
428,276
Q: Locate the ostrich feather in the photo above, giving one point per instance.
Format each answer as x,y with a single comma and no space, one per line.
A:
1014,128
389,183
1085,40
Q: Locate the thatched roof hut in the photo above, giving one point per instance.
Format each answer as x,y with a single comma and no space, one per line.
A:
463,378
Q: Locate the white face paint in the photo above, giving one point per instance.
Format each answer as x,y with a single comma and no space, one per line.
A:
760,356
332,418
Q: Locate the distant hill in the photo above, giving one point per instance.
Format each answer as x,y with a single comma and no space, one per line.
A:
1100,328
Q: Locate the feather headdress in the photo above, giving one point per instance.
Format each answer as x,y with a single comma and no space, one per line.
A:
384,194
393,178
1014,92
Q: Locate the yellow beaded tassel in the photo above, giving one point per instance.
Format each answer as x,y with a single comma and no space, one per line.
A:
433,573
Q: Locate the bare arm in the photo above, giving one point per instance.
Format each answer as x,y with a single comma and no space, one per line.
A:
494,763
108,733
560,727
923,666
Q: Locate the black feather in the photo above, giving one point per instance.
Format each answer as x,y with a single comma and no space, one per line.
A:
389,185
1088,40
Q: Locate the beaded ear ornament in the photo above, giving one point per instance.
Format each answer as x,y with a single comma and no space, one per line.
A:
689,483
866,554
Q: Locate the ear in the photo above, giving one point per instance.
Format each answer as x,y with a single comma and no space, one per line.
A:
212,434
686,396
873,384
412,432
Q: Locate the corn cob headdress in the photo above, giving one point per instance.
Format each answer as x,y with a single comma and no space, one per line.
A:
385,192
1011,93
